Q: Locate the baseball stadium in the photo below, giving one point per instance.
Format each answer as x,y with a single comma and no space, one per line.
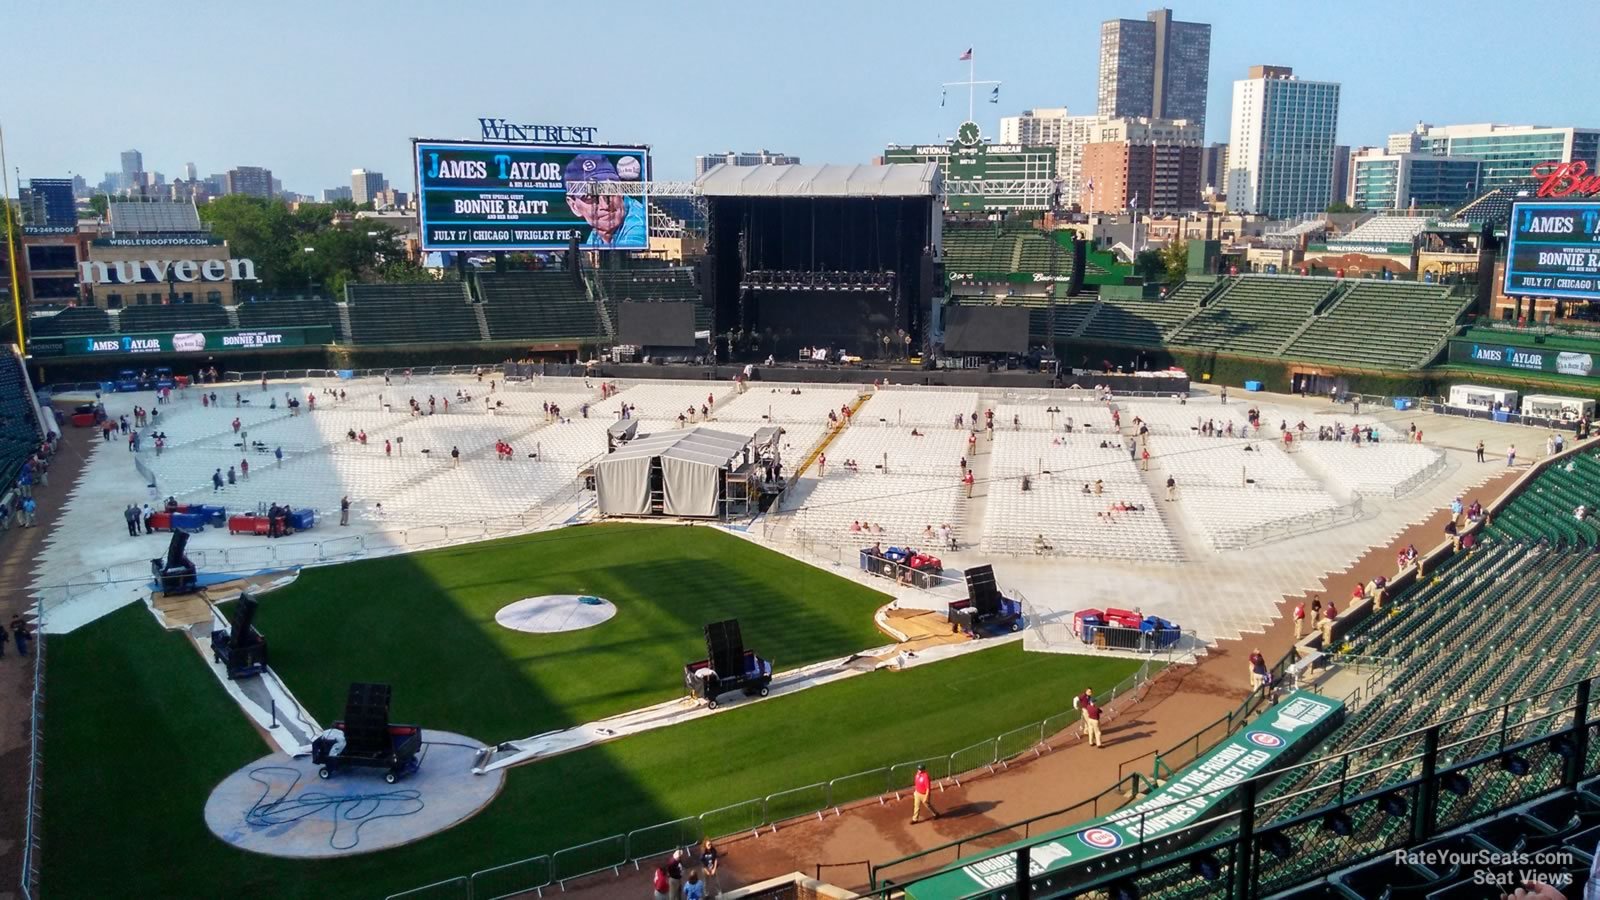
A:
891,535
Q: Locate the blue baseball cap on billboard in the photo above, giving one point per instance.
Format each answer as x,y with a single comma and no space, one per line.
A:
591,167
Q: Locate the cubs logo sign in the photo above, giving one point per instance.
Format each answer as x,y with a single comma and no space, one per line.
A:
1101,838
1265,739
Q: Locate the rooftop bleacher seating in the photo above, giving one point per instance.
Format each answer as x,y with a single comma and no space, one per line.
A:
288,312
1383,324
545,306
175,317
977,249
1388,230
1254,314
407,313
72,320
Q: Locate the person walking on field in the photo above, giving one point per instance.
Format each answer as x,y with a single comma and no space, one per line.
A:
1091,724
921,786
659,885
1480,451
344,510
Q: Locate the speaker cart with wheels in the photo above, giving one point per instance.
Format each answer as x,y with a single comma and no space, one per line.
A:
370,741
727,667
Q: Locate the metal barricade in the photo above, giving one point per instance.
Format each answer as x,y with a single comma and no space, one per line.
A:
512,879
586,859
746,817
660,840
981,755
450,889
860,786
803,801
1019,741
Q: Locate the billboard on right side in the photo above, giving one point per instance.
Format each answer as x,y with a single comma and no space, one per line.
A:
1553,250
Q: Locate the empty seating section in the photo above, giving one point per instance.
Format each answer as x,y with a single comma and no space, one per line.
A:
403,313
1059,468
73,320
674,283
1224,462
543,306
977,250
19,425
663,401
1255,314
1183,418
1138,321
177,317
1546,508
1388,230
288,312
932,407
1519,590
777,404
936,451
1077,458
1223,514
1081,416
1077,524
1383,324
1367,468
1505,595
1036,254
902,506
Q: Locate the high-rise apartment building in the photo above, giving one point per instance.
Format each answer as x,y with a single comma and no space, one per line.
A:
1407,180
1155,68
1151,164
48,202
1280,143
1509,152
706,162
252,181
1052,127
365,186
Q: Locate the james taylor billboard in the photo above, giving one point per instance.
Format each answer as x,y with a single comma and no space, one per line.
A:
476,196
1554,250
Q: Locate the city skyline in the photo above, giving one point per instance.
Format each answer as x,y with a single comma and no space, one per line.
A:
862,92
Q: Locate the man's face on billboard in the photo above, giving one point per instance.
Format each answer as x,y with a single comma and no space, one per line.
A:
603,211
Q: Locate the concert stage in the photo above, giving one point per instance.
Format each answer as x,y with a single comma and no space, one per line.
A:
838,257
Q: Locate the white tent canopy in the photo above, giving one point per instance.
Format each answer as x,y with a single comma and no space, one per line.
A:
895,180
691,462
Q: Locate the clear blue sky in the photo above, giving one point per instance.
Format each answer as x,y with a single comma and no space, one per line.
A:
312,90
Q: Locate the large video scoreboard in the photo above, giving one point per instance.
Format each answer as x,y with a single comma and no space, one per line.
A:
1553,250
507,196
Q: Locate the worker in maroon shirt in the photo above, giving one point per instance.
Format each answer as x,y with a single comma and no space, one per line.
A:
1327,626
921,785
1091,723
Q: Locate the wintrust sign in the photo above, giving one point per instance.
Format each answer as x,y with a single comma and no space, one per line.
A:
164,270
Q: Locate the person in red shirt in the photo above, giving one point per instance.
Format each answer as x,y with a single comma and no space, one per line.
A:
387,448
1327,626
921,785
1091,724
1299,619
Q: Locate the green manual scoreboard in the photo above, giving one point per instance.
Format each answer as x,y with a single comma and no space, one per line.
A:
969,158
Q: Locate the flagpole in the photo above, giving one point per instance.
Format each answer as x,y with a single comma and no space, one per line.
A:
972,74
11,245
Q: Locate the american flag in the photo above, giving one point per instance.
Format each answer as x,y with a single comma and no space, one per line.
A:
966,56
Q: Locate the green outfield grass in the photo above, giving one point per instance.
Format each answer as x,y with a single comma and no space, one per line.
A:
139,733
424,623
